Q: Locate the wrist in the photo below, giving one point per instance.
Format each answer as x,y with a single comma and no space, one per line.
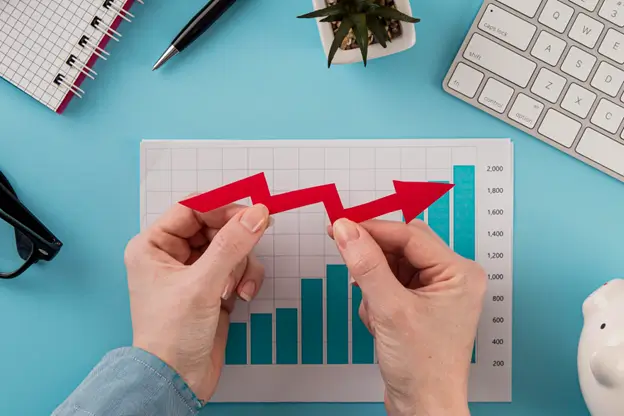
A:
445,401
447,408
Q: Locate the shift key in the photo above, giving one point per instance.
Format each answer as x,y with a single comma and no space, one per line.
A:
500,60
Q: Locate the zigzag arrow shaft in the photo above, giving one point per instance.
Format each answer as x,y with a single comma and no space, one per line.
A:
411,197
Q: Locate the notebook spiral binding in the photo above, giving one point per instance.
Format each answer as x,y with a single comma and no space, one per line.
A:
93,49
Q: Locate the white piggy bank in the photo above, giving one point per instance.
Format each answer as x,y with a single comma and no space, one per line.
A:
601,350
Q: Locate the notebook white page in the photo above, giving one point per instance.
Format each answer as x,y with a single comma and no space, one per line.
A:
37,38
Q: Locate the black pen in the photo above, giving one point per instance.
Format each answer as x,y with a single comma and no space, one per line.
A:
195,27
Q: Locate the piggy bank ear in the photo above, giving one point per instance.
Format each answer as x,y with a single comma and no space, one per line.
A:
604,297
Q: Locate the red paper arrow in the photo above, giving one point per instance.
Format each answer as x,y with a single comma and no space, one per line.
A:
411,198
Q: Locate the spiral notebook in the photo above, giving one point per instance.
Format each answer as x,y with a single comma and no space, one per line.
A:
49,47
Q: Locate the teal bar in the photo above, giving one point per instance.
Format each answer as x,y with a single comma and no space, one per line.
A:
440,217
236,347
312,321
337,314
474,353
261,338
363,346
286,336
464,219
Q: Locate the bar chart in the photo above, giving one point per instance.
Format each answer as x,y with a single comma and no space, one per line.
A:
303,327
335,316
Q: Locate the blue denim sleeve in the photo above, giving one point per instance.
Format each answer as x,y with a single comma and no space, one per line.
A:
130,381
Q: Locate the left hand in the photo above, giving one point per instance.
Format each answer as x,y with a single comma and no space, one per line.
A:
183,273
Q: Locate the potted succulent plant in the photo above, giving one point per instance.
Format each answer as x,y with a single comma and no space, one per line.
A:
359,30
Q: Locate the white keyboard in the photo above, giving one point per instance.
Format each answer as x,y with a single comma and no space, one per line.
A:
552,68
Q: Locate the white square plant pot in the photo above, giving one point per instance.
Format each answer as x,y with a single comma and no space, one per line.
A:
400,44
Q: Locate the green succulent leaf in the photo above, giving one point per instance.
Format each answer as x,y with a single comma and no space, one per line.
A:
362,5
360,16
391,13
327,11
378,29
333,18
360,30
339,36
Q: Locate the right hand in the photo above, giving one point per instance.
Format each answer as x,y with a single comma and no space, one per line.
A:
422,303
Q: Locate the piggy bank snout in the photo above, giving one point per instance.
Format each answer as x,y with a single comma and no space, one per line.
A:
607,366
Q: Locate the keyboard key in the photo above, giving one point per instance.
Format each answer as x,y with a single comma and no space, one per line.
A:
548,85
602,150
526,7
560,128
526,110
587,4
507,27
613,11
500,60
608,116
548,48
608,79
556,15
613,46
466,80
578,63
586,30
496,95
578,100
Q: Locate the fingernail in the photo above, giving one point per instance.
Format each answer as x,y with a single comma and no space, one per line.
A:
255,217
248,290
345,231
227,291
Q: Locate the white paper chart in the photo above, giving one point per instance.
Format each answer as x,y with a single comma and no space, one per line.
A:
301,339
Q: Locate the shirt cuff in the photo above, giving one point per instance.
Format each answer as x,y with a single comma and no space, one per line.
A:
130,380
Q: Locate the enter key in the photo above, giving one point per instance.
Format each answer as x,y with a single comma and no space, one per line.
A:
507,27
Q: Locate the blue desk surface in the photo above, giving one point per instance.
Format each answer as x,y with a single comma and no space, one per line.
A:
261,73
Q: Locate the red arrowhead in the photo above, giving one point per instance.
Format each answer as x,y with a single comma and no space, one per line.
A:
416,197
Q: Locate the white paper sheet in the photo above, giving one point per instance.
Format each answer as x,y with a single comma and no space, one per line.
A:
266,358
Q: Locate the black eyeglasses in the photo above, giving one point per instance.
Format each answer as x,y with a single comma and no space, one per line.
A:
24,240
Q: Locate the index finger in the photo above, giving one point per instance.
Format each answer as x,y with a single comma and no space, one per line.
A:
419,244
183,222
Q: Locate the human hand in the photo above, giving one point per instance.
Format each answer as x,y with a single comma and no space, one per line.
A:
422,303
183,273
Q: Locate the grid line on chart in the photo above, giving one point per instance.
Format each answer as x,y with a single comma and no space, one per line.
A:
273,244
299,320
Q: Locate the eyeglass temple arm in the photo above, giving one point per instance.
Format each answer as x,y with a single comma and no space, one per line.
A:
20,216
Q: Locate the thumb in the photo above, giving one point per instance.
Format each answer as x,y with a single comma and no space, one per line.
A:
366,262
231,245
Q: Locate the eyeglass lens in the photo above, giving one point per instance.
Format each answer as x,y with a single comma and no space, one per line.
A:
15,248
